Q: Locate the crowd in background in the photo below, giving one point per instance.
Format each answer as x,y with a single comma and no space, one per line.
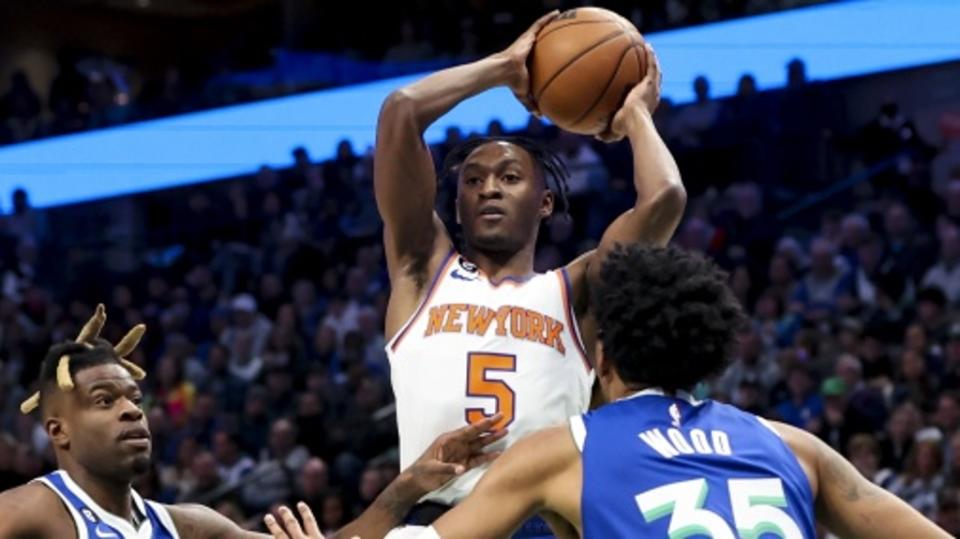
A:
264,298
91,90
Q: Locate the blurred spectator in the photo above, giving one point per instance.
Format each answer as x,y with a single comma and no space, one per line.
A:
273,478
20,107
803,405
204,480
822,289
232,463
945,274
922,477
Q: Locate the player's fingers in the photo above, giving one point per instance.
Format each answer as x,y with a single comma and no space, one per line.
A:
291,524
443,468
309,522
475,430
491,438
482,458
653,64
543,21
275,530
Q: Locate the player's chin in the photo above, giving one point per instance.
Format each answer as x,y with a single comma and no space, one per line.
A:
140,464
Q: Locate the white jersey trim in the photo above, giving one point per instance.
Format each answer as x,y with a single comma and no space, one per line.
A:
578,430
566,288
431,290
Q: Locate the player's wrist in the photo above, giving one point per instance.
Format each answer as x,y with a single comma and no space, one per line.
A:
501,67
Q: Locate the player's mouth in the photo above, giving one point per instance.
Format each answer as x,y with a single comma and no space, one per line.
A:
137,437
492,214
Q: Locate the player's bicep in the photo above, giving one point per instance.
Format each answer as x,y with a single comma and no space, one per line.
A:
405,182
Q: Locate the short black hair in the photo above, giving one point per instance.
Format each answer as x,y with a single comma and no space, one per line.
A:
553,168
82,356
667,316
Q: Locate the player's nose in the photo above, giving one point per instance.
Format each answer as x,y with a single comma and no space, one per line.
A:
491,187
131,411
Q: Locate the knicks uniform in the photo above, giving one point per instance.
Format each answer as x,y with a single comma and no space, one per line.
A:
475,348
657,466
93,522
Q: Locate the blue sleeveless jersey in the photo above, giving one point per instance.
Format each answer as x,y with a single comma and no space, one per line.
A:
661,466
93,522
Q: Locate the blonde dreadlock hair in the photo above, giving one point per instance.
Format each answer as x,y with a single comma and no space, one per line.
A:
87,350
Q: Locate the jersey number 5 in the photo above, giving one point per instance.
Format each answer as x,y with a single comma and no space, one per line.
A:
479,365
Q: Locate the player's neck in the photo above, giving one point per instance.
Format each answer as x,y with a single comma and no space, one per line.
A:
114,497
497,266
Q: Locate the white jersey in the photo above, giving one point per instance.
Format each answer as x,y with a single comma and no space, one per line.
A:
474,348
94,522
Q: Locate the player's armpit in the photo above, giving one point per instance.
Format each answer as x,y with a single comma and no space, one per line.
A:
525,480
200,522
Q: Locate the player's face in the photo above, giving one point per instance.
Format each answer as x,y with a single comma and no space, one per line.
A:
107,429
501,198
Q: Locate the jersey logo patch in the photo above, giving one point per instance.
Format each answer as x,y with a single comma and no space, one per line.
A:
102,531
467,265
457,275
675,415
88,514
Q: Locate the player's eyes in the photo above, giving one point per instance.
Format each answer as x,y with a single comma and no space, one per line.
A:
103,400
472,181
511,178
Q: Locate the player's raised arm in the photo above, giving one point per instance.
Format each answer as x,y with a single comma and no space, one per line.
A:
404,176
661,197
847,503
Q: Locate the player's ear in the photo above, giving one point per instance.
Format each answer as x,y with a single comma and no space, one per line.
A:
57,431
546,204
456,209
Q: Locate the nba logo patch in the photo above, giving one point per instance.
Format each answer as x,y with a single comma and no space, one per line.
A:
675,415
88,514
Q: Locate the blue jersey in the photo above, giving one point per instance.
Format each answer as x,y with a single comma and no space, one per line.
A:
659,466
93,522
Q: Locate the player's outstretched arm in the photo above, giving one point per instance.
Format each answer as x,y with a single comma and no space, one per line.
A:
536,474
27,512
661,197
847,503
404,177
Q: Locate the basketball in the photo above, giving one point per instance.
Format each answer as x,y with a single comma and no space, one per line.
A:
582,66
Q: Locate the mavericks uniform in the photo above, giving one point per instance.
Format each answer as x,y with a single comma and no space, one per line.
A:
93,522
660,466
474,348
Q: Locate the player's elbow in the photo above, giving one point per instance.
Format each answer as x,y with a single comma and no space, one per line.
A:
668,201
399,109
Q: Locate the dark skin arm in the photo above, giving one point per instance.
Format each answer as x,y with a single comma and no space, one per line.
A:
405,183
448,456
39,514
201,522
847,503
661,197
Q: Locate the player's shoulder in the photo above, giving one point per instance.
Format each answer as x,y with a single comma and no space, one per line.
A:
32,510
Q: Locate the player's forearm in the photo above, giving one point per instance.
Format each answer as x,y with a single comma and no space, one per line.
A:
386,512
434,95
660,191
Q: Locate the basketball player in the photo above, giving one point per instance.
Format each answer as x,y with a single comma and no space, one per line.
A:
475,331
90,403
657,463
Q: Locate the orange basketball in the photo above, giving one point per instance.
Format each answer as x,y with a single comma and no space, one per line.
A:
582,66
